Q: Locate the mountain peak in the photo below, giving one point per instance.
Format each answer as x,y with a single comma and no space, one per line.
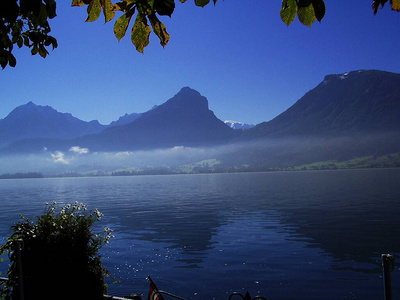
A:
35,121
183,120
187,89
188,98
29,109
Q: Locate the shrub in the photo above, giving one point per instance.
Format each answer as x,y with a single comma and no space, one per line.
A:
59,255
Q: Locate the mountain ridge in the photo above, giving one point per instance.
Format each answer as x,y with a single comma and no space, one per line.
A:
354,114
348,103
31,121
183,120
35,121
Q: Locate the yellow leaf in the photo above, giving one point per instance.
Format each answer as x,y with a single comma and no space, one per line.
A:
201,2
121,25
395,4
306,15
140,33
77,3
288,11
93,10
108,10
119,6
159,29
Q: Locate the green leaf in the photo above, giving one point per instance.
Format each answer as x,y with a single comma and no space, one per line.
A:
159,29
288,11
108,10
12,62
121,6
150,4
319,9
306,15
145,7
376,3
42,16
201,2
140,33
121,25
26,41
3,61
54,42
20,42
164,7
51,8
34,50
30,6
34,36
9,11
93,10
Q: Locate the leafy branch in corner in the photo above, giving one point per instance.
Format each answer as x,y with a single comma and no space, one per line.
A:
25,22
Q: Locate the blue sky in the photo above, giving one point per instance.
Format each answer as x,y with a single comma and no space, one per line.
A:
238,54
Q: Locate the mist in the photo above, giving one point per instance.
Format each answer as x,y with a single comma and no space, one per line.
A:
83,160
255,155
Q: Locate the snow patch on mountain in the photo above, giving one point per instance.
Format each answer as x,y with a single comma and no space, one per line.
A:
238,125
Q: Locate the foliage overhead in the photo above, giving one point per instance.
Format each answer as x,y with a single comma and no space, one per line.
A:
395,4
59,255
25,22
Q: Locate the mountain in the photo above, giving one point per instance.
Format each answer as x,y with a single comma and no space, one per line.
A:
358,102
31,121
184,120
346,116
125,119
238,125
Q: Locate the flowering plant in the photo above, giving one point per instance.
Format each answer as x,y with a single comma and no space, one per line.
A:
59,255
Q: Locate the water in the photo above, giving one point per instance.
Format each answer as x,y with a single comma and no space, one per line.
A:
283,235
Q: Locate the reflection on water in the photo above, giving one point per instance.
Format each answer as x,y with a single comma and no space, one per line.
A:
299,235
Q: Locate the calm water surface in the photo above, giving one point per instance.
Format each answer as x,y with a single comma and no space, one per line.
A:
289,235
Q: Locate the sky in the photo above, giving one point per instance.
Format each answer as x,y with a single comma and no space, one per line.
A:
238,54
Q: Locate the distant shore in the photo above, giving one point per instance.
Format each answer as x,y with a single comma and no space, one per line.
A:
21,175
311,167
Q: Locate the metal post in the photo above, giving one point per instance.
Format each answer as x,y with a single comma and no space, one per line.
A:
19,245
388,265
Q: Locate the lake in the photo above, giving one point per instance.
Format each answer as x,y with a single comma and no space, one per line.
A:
283,235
